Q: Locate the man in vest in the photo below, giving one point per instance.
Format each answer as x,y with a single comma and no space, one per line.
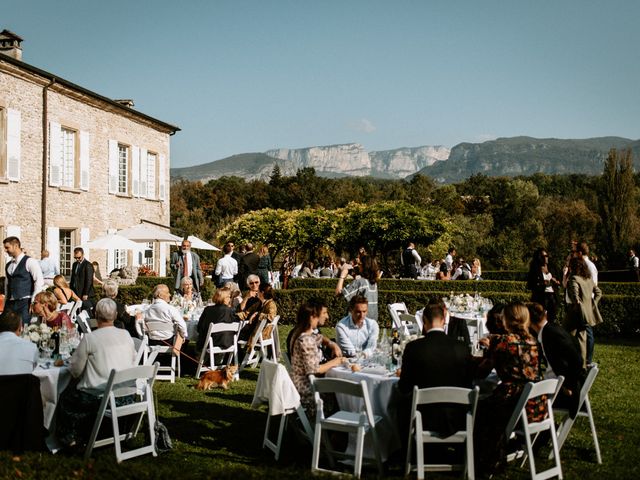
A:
410,261
23,279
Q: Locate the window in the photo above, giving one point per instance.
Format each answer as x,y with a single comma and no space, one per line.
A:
151,175
3,143
66,252
119,258
123,170
149,256
68,157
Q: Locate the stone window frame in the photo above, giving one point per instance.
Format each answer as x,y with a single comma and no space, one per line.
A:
76,157
72,233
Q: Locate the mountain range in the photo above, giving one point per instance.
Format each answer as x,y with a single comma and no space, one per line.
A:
501,157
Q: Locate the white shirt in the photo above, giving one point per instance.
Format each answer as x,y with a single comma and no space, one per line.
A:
17,355
33,267
49,268
449,261
592,269
99,352
161,319
188,259
354,339
416,257
227,267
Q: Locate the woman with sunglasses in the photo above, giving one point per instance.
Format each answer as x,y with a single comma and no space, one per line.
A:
541,282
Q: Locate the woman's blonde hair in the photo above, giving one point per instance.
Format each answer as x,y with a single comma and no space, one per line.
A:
516,319
48,299
221,295
59,281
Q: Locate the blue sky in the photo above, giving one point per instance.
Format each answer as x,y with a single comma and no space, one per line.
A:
247,76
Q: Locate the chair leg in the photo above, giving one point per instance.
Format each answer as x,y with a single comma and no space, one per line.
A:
283,426
315,457
592,424
419,456
407,469
116,432
556,450
470,466
357,467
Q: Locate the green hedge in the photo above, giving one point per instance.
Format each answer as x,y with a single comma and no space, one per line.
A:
513,275
621,313
620,288
134,294
421,285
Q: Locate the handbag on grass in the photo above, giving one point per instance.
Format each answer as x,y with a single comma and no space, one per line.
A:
163,440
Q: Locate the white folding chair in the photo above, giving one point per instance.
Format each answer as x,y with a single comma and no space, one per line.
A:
395,309
550,388
410,324
136,381
167,372
82,320
261,345
67,307
359,423
434,396
75,310
584,410
276,388
231,353
142,353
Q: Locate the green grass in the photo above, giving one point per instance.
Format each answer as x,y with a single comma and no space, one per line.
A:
217,434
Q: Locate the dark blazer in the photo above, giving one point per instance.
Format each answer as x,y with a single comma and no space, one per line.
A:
216,314
82,279
177,264
248,265
21,413
435,360
458,328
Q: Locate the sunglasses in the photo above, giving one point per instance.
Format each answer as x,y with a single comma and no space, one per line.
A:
78,258
254,283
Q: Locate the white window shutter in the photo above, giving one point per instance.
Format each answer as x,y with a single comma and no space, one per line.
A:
14,121
12,231
111,255
84,160
53,244
161,178
113,166
55,154
163,259
143,172
135,171
84,238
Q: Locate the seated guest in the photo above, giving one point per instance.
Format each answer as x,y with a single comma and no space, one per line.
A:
435,360
307,270
162,320
188,299
356,333
99,352
268,311
453,326
221,312
515,357
235,294
306,354
443,273
124,320
62,291
45,305
251,302
328,348
17,355
495,320
328,268
562,354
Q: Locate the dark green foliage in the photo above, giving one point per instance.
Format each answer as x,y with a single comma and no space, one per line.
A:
421,285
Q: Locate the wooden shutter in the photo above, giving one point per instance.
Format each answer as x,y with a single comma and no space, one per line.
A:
55,154
113,166
161,178
143,173
84,160
14,121
135,171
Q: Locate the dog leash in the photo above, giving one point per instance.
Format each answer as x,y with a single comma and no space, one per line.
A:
197,362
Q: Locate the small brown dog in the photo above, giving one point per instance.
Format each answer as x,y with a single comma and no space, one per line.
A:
217,378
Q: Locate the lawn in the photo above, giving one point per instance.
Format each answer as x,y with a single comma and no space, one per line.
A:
217,435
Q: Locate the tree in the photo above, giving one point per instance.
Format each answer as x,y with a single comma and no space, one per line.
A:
618,203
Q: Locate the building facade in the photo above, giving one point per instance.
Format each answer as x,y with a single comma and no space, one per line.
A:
75,165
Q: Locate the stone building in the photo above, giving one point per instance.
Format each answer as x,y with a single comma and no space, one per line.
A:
75,165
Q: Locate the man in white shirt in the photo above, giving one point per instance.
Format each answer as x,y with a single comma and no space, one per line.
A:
583,249
356,333
449,258
23,279
49,268
17,355
410,260
163,320
227,266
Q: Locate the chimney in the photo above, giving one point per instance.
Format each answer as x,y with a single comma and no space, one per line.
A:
127,102
10,44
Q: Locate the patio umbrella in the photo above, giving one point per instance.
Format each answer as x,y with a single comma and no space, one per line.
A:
148,233
201,244
112,241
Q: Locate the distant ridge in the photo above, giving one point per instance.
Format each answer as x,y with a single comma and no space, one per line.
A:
510,156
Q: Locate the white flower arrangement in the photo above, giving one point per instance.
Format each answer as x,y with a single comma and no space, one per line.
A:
37,332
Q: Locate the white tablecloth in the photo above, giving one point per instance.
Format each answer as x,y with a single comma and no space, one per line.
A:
381,388
53,381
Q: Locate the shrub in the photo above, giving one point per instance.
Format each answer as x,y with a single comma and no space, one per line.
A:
517,275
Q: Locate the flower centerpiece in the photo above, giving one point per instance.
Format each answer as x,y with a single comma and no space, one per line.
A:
37,332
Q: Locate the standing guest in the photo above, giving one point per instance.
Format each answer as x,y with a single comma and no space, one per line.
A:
461,270
45,306
264,266
410,261
220,312
23,279
248,263
123,319
435,360
448,260
305,353
357,333
49,268
562,354
17,355
97,276
227,267
63,292
237,256
82,279
365,285
634,266
104,349
582,314
163,321
186,263
583,249
540,281
515,357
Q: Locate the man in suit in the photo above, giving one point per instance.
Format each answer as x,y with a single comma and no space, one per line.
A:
435,360
562,354
82,279
248,263
454,327
186,263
